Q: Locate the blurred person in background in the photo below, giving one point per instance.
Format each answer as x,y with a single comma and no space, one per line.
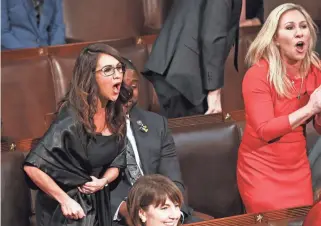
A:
186,65
252,13
31,23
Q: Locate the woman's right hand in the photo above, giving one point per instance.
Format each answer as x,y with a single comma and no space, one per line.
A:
71,209
315,101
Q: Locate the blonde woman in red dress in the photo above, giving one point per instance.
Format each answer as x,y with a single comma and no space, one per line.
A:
281,93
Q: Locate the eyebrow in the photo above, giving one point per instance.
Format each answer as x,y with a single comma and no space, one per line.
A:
110,65
291,22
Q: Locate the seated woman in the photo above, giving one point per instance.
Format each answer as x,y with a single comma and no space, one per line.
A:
82,151
281,93
154,200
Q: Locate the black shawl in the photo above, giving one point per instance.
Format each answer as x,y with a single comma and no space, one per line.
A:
62,154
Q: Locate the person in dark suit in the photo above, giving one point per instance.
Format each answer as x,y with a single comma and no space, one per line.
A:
153,152
31,23
186,65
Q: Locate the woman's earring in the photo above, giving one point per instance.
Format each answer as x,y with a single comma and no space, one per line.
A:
142,218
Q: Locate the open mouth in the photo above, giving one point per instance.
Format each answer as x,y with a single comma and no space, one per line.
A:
116,87
300,46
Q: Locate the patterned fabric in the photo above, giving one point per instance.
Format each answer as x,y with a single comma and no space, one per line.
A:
132,167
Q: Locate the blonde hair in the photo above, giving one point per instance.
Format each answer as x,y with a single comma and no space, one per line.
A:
263,47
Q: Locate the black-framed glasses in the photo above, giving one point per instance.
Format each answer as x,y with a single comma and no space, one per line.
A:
109,70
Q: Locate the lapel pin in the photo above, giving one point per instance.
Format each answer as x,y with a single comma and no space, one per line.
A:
142,127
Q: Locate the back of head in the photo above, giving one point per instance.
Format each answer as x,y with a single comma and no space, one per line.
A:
264,47
151,190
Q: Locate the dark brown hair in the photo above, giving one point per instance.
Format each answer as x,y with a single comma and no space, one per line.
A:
83,91
151,190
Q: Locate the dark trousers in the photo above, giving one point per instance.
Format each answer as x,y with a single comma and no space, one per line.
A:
172,103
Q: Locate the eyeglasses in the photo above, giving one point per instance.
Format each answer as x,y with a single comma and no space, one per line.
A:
109,70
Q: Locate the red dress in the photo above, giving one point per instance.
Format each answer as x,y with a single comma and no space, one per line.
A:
273,170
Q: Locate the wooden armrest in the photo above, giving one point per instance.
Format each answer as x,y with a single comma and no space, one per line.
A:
202,216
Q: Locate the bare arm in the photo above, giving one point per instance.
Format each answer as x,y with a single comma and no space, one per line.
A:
110,175
70,208
259,108
97,184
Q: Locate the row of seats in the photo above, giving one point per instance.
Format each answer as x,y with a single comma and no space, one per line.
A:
35,80
117,19
113,19
207,191
206,146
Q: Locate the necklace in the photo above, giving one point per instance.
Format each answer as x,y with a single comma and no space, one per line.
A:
301,85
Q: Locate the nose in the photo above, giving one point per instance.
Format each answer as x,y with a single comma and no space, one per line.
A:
117,75
299,32
175,213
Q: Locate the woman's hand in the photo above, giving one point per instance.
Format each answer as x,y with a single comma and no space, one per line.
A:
315,101
71,209
92,186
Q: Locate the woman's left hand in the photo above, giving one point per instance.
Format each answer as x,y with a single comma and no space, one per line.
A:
92,186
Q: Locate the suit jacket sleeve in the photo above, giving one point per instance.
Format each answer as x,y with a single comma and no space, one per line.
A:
169,165
8,40
214,30
57,31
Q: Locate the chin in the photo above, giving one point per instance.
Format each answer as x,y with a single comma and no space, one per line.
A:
296,58
113,98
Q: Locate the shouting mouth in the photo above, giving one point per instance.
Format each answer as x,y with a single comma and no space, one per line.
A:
299,46
116,87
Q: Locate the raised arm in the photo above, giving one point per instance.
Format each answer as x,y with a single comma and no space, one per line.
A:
260,111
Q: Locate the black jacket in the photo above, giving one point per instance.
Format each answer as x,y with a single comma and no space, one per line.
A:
193,45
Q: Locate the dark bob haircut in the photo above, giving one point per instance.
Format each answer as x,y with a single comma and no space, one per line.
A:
151,190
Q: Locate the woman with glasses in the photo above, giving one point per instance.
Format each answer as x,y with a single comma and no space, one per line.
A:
82,151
